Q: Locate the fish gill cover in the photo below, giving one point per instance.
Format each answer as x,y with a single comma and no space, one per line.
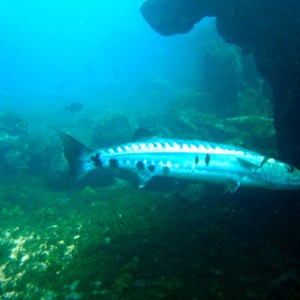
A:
110,240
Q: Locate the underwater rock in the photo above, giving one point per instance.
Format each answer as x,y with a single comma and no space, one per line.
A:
189,117
222,68
269,30
113,130
254,132
170,17
247,122
13,142
12,124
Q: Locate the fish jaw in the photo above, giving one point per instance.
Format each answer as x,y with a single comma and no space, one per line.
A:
294,180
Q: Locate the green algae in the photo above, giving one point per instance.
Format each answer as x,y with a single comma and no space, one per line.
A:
119,242
12,212
46,214
12,123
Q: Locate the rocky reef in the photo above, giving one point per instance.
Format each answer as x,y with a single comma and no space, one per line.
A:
267,29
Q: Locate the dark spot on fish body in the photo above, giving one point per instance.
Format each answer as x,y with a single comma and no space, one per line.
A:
140,165
113,163
166,170
151,168
196,160
207,159
96,160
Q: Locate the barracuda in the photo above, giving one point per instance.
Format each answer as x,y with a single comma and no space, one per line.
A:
186,159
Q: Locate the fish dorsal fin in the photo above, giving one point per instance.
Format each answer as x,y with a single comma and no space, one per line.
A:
142,134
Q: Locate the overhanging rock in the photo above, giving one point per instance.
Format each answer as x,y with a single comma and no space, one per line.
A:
268,29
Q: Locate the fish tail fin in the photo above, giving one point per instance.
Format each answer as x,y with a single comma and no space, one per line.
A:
77,156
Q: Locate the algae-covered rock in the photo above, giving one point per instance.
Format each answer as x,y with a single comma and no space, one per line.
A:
255,101
267,29
254,132
46,214
191,124
12,124
112,130
222,80
12,212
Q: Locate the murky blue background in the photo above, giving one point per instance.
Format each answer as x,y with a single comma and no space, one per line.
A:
82,47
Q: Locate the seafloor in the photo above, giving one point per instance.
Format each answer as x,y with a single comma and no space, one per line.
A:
119,242
170,240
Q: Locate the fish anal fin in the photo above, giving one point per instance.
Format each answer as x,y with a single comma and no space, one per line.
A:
231,186
144,176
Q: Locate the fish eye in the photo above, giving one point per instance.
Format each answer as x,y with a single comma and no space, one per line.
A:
290,168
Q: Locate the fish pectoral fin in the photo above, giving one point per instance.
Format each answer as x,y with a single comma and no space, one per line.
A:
144,176
248,165
231,186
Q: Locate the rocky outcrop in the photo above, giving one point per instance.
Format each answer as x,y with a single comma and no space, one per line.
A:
268,29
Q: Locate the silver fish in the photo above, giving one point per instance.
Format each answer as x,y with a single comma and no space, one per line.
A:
186,159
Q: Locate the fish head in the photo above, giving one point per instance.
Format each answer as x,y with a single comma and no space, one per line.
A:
280,175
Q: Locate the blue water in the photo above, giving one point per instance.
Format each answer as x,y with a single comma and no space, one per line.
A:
85,47
111,240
